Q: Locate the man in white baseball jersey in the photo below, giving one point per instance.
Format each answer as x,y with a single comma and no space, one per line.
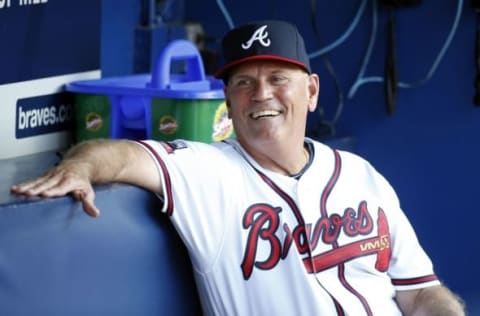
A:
275,223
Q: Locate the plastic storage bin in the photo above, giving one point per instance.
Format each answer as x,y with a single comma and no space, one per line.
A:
162,106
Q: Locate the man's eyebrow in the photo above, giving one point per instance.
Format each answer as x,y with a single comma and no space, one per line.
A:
279,72
240,76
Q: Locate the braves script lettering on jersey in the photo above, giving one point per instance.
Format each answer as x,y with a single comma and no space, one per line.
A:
262,243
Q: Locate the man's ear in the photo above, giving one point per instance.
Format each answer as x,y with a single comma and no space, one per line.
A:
228,108
227,102
314,90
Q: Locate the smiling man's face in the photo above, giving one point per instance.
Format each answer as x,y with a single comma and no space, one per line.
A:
268,102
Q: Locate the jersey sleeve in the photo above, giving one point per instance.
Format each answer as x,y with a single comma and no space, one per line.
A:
410,266
197,184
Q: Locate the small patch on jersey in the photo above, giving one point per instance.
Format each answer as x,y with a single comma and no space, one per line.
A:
171,146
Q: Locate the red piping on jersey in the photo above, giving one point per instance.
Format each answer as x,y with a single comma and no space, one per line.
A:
414,281
300,220
323,211
330,184
168,184
284,196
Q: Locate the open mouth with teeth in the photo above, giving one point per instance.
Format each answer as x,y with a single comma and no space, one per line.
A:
263,114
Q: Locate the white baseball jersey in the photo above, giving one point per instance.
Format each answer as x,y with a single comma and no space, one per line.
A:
333,242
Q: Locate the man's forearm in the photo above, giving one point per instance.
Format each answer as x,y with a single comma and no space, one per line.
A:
104,160
101,160
437,301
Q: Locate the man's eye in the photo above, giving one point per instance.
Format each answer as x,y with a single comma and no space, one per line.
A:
243,83
278,80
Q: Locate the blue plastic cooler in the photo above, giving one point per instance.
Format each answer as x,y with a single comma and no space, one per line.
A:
163,105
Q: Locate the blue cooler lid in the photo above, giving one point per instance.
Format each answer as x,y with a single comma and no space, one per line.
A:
193,84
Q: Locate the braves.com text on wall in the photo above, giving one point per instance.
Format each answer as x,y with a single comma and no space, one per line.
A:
43,114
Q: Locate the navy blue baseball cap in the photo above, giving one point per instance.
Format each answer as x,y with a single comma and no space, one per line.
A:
263,40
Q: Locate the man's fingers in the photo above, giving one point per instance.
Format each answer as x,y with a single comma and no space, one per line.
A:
90,208
54,183
87,200
30,187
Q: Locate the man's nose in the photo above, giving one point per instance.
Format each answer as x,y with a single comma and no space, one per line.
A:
262,91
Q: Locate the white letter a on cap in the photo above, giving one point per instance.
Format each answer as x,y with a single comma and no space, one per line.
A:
259,35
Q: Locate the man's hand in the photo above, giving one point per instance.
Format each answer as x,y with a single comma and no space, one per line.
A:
67,178
95,162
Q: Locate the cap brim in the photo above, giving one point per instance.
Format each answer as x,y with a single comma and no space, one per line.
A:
223,71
